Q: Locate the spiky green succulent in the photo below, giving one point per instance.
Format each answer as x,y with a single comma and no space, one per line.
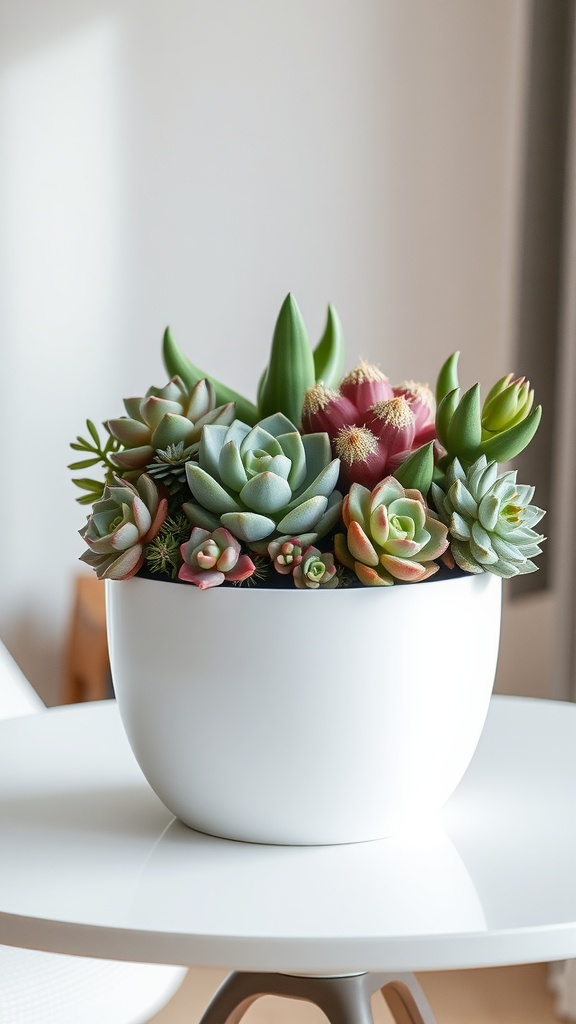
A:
499,429
169,464
390,535
122,523
263,482
164,418
490,519
162,554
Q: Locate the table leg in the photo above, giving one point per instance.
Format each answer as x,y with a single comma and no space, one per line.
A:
344,1000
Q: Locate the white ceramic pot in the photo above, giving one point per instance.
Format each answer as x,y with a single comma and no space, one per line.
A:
299,716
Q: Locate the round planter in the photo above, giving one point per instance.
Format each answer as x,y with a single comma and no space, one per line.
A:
304,717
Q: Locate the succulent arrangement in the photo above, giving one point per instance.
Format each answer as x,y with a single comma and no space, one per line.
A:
326,480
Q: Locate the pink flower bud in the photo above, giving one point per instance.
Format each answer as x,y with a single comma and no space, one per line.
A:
393,422
365,385
423,405
362,456
326,410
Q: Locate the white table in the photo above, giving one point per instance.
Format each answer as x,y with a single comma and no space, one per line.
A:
92,863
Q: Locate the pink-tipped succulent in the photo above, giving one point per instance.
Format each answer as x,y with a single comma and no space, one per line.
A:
365,385
327,410
310,567
123,521
210,558
390,535
165,417
286,554
362,456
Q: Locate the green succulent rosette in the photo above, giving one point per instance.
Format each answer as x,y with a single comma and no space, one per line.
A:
122,523
390,535
164,418
316,571
263,482
490,519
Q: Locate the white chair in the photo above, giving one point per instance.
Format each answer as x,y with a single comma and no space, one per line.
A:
49,988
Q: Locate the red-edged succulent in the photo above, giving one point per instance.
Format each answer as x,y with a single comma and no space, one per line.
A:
390,535
123,521
210,558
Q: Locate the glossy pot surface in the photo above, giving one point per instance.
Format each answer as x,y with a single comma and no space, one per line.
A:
304,717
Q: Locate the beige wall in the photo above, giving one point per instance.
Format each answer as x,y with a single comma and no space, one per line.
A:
190,163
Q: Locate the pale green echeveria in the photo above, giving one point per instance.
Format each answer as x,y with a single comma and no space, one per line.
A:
490,519
264,482
390,535
164,418
122,522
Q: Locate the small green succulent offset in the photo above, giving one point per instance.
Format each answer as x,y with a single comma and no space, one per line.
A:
316,571
490,518
263,482
309,567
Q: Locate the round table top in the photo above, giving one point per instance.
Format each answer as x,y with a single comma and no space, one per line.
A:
91,862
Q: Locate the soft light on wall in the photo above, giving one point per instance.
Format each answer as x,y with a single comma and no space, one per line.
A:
190,163
62,237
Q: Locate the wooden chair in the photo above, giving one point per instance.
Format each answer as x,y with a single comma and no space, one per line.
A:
87,671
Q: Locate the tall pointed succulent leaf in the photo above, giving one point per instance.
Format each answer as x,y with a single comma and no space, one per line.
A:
447,378
291,367
177,363
465,428
444,412
329,352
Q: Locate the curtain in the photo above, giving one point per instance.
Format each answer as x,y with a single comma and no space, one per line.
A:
546,342
543,223
563,546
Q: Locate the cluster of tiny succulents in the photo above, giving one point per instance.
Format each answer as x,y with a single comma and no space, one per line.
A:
325,480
